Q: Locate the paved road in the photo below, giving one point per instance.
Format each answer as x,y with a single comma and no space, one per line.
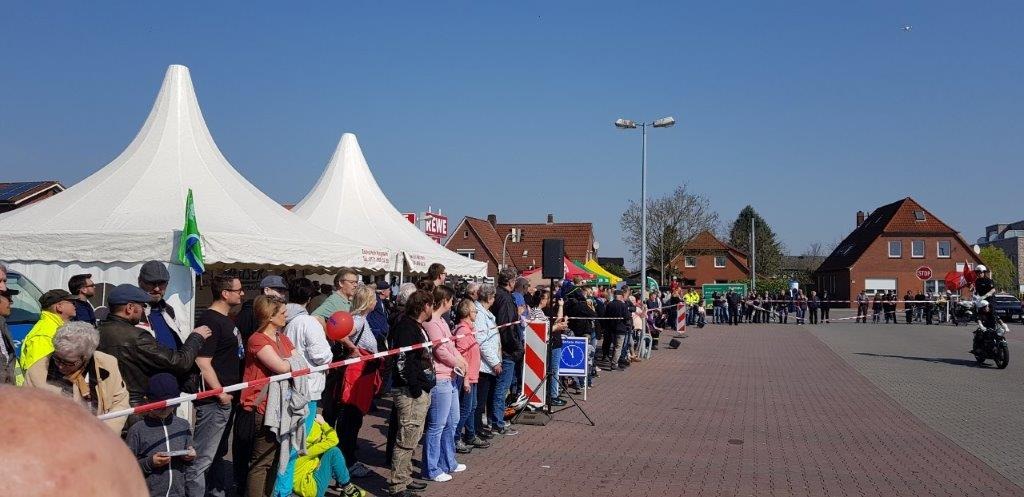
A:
929,371
745,411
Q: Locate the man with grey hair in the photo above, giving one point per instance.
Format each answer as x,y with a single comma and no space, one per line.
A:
3,278
473,291
75,369
505,313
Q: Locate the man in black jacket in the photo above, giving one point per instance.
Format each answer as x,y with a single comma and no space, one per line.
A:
732,299
616,329
138,354
505,312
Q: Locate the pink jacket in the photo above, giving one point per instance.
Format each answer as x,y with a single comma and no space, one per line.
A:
469,349
445,354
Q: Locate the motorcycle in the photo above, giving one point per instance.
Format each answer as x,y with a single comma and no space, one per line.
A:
963,312
990,343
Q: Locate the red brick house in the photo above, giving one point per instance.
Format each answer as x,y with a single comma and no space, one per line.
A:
887,247
15,195
706,259
482,240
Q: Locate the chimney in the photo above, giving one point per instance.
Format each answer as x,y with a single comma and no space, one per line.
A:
860,218
491,218
551,219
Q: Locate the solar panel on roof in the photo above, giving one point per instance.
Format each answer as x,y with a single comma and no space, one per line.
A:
16,189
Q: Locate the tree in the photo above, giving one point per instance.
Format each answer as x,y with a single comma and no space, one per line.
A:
769,250
672,220
616,269
1004,274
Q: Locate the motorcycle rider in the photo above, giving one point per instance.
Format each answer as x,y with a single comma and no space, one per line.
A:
984,287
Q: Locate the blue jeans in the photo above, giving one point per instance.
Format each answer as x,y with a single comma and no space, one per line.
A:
501,388
626,345
286,481
439,437
467,410
556,359
211,425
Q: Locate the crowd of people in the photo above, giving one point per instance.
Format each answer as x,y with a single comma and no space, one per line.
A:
301,436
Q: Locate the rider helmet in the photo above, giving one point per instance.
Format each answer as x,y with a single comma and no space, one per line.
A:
981,268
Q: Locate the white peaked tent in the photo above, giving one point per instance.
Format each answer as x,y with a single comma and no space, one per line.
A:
348,200
132,211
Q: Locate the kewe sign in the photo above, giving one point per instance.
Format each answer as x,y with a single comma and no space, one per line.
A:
435,226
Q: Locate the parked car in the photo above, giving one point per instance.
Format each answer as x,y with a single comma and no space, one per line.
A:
25,311
1008,308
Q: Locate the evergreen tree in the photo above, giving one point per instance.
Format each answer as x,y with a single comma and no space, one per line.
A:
1004,274
769,250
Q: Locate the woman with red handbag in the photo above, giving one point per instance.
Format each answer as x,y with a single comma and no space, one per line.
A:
361,382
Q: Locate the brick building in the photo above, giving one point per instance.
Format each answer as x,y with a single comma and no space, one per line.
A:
482,240
706,259
887,247
1010,239
15,195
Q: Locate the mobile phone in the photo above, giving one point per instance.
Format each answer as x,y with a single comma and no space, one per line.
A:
177,453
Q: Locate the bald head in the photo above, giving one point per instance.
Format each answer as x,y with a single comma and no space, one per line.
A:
56,447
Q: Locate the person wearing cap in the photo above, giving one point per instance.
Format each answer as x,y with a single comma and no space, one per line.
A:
78,371
158,435
139,355
159,315
273,286
8,361
82,287
378,317
58,307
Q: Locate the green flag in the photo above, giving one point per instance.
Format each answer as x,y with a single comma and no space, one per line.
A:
190,249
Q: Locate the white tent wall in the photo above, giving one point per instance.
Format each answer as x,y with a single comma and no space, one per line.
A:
347,199
179,294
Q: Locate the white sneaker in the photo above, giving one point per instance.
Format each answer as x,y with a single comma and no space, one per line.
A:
443,477
460,468
359,470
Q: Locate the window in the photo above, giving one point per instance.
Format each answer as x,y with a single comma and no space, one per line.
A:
919,215
916,249
719,261
879,286
943,249
895,249
935,286
467,253
465,234
689,261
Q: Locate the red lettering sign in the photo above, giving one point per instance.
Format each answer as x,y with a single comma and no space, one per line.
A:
435,225
924,273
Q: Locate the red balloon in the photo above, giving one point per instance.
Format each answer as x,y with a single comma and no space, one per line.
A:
339,325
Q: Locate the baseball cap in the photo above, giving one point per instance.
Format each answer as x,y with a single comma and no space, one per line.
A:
383,285
162,386
53,296
154,272
126,293
9,293
273,281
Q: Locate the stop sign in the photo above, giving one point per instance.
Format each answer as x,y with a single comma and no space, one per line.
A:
924,273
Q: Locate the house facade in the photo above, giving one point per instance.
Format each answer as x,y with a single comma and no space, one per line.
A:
706,259
899,247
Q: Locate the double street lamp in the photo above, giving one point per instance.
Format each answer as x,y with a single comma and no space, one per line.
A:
664,122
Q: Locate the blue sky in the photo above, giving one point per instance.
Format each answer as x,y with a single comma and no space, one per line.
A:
808,111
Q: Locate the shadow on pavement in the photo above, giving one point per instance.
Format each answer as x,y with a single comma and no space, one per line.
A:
955,362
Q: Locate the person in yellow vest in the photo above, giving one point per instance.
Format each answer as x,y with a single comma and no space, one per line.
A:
691,298
58,307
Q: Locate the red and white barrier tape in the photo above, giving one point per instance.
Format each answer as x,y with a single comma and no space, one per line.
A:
205,394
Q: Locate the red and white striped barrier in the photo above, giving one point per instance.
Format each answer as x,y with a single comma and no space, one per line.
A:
681,318
535,363
205,394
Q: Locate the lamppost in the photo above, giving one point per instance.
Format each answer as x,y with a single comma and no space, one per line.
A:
664,122
515,235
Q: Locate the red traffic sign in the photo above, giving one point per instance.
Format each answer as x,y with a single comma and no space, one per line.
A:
411,216
924,273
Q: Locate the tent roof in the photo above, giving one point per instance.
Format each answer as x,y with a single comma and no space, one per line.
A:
596,268
134,207
348,200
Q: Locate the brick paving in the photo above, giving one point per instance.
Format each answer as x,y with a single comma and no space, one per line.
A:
744,411
929,371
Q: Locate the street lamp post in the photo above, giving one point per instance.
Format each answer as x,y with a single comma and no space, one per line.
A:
514,235
664,122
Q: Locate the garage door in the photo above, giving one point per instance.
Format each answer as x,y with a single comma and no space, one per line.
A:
873,286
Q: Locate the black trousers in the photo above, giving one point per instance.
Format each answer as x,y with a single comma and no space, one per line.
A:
824,314
814,316
734,315
862,313
349,423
